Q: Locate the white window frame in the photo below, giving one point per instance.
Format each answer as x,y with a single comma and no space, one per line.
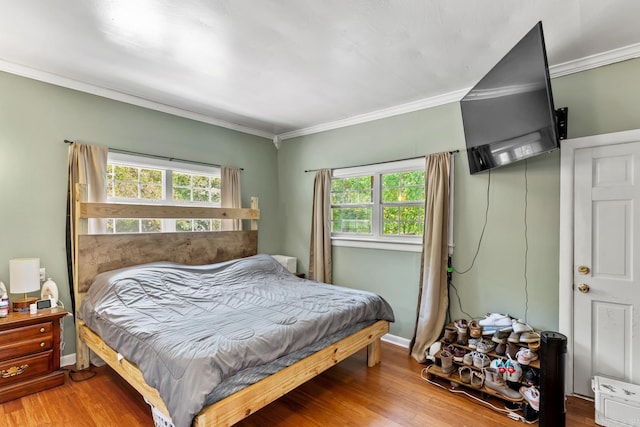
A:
376,240
169,166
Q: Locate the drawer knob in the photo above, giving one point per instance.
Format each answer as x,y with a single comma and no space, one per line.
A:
13,371
42,344
42,329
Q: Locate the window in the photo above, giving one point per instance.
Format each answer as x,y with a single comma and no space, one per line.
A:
378,204
137,179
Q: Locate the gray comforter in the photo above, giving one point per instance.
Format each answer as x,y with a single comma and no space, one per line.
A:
188,328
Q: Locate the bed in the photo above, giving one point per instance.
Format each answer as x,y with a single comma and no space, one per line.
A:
100,256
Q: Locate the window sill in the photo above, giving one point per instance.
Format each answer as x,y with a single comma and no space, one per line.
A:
376,244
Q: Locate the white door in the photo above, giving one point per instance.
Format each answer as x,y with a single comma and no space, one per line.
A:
606,276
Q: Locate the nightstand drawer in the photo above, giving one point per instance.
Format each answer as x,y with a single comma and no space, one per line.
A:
23,368
25,333
26,340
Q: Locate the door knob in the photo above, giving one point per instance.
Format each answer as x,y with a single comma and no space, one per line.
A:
583,269
584,288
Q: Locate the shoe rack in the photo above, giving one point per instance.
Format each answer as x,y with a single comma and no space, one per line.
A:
435,371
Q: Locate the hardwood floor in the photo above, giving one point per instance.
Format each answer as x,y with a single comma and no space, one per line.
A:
349,394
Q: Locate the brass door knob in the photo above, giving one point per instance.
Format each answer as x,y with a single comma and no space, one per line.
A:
583,269
584,288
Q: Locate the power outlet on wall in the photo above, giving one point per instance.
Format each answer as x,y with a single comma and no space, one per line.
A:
43,274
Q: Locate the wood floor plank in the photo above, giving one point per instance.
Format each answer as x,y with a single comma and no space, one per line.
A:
390,394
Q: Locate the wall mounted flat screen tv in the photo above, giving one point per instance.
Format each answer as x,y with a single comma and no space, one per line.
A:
509,115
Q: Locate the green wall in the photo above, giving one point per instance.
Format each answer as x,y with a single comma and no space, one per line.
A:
600,101
36,117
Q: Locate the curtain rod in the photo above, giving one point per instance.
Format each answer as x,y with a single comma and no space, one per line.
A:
380,163
154,156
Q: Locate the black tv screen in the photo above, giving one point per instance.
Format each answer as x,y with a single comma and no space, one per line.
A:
509,115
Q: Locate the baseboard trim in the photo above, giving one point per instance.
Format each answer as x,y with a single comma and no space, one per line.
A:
68,360
396,340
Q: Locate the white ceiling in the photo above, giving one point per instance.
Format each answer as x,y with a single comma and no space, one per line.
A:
291,67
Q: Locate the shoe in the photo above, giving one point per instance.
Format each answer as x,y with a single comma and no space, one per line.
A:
531,377
500,337
462,339
501,349
480,360
512,350
446,359
462,326
475,330
472,343
532,396
497,321
527,337
477,379
494,380
514,337
465,374
468,359
513,371
519,326
485,346
525,356
450,334
458,354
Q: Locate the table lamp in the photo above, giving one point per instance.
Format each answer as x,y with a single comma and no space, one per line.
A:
24,277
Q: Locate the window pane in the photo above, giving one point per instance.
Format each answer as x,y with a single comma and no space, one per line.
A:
351,220
200,195
151,225
127,190
202,225
352,191
181,194
127,226
403,187
403,221
151,176
181,179
151,191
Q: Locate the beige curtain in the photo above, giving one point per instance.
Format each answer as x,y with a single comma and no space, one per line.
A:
433,298
320,253
87,165
230,196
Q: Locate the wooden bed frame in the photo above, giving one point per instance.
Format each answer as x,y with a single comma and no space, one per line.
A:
97,253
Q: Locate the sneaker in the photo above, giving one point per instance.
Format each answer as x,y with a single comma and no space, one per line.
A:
477,379
526,356
468,359
485,346
532,396
494,380
465,374
514,337
500,337
458,354
529,337
480,360
513,371
472,343
497,321
501,349
519,326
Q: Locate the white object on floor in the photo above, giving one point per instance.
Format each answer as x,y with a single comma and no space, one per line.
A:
617,403
288,262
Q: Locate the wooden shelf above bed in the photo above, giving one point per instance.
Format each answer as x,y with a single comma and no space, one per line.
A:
123,210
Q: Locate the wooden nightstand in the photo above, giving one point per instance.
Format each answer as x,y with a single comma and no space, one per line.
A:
30,353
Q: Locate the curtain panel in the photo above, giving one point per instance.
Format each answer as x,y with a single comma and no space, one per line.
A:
87,165
230,196
433,292
320,251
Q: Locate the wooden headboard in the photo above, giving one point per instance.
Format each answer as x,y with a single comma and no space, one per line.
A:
96,253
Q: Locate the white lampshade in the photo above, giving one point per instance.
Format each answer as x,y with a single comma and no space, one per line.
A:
24,275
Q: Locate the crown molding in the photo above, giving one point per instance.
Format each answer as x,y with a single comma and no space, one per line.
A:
595,61
566,68
68,83
559,70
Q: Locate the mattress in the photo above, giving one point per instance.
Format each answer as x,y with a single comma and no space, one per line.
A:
191,329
